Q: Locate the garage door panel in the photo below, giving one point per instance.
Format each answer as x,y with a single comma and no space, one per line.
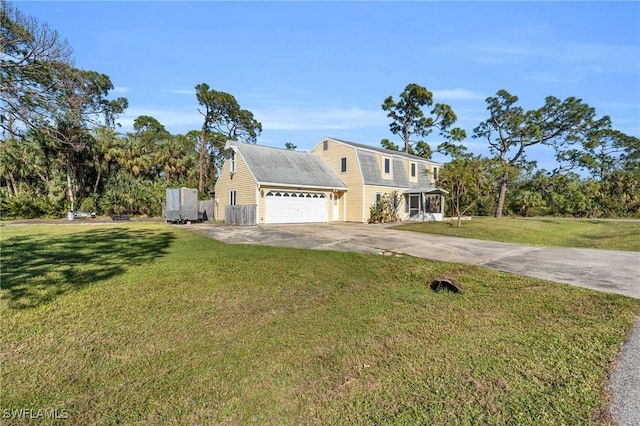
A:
295,207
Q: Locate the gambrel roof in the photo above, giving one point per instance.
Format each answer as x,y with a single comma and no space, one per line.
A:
372,175
286,167
384,151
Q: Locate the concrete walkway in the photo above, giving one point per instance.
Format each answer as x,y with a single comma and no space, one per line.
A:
603,270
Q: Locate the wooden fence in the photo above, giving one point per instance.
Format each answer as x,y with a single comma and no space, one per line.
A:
240,215
205,210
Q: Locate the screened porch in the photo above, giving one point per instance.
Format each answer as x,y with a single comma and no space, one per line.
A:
424,206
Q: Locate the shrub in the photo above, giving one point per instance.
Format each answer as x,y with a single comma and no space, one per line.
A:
28,206
376,212
132,195
89,204
386,208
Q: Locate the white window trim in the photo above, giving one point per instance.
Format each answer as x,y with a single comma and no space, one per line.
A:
233,197
343,160
232,164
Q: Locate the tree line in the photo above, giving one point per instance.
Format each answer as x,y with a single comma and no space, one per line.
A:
61,148
598,167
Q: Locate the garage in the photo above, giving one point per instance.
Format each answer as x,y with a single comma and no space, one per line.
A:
295,207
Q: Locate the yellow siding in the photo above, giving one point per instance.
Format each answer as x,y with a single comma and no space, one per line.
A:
424,168
350,204
421,166
261,203
431,170
381,157
370,197
407,166
242,182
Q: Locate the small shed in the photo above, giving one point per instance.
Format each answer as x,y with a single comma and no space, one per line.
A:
182,205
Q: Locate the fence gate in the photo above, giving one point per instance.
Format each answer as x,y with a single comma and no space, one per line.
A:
240,215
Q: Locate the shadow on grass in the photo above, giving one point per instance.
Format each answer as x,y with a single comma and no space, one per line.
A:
38,268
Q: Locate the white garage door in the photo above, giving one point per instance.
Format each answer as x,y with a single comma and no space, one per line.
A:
295,207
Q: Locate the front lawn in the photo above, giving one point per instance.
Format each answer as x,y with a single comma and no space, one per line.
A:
579,233
149,323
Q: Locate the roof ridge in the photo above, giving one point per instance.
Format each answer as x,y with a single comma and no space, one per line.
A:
382,150
287,167
271,147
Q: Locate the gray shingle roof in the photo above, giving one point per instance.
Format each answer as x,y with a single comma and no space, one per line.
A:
384,150
287,167
372,175
424,182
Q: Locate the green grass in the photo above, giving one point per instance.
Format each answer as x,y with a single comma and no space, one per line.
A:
603,234
148,324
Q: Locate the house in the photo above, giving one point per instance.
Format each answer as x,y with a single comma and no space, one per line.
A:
336,181
285,186
370,172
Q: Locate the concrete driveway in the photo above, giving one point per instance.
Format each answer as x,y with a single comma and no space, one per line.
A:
604,270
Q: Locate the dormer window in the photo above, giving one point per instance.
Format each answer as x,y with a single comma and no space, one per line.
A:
413,170
387,166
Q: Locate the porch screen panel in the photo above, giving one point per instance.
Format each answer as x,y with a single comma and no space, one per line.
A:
433,203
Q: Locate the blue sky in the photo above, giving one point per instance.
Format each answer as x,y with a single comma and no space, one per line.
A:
313,69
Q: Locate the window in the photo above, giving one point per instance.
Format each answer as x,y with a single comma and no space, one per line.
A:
435,173
343,164
378,197
325,145
232,198
232,165
387,166
413,170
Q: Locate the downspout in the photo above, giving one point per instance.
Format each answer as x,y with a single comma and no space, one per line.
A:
364,192
257,204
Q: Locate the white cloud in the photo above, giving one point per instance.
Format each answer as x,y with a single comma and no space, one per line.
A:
120,89
598,57
272,119
182,91
470,116
175,121
501,53
456,94
287,118
507,50
618,105
547,78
